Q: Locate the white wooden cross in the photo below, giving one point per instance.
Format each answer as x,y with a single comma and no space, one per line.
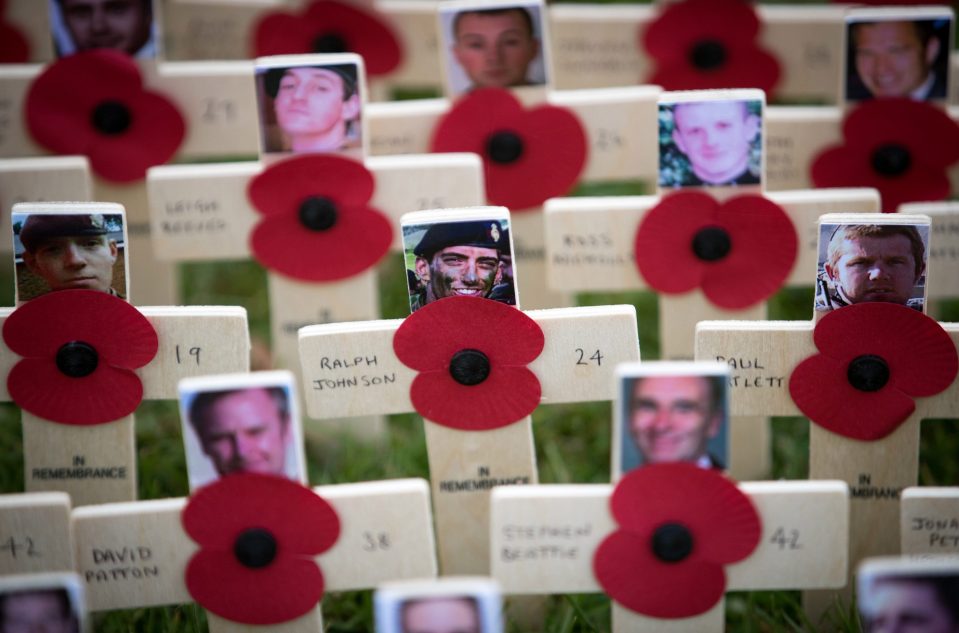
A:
133,555
350,369
544,539
97,463
944,249
876,471
590,246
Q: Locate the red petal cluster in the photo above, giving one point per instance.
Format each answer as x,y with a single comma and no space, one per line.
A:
920,356
123,338
359,238
361,31
428,339
926,134
553,145
687,30
724,526
60,110
302,525
763,246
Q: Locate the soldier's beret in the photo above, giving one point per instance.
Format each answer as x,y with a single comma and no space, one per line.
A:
39,227
347,72
482,233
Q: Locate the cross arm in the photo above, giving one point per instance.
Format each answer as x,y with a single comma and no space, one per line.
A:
193,341
349,369
544,537
201,212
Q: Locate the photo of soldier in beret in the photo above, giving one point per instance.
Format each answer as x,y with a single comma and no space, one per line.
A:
466,259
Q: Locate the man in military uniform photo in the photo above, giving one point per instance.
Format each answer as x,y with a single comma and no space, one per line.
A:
458,259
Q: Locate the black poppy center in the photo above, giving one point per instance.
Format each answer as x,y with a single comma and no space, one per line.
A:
469,367
672,542
891,160
255,548
77,359
329,43
711,243
318,213
111,117
868,372
707,55
504,147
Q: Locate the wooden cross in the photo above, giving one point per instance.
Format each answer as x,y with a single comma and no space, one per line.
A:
590,244
98,463
876,471
350,369
35,534
133,555
544,539
943,251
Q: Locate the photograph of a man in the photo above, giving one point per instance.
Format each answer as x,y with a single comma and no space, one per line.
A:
898,58
672,412
312,108
458,259
441,615
494,46
38,610
871,262
441,605
710,143
121,25
68,251
913,604
249,427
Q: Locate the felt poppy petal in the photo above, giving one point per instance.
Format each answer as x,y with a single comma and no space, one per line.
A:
764,246
428,338
283,187
14,48
302,522
467,125
663,244
154,136
921,364
724,524
682,24
927,131
107,394
280,33
632,576
745,67
507,395
360,238
363,31
554,154
120,334
841,408
284,590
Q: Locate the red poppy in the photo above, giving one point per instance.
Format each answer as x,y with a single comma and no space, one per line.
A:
528,155
317,225
79,350
899,146
14,47
874,359
93,103
471,355
258,536
706,44
327,26
678,526
739,252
